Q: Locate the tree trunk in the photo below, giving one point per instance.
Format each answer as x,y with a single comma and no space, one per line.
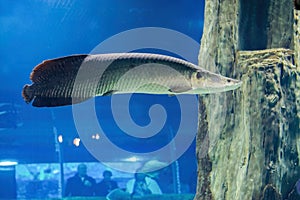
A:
248,141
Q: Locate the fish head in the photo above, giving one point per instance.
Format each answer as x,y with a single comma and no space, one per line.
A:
206,82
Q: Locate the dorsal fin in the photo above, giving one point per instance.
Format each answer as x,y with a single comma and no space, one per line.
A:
56,67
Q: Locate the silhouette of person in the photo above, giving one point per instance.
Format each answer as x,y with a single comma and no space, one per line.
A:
142,185
80,184
106,185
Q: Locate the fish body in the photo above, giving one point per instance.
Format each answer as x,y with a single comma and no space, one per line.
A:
73,79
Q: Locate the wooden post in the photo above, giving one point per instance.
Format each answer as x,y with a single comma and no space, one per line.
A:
248,139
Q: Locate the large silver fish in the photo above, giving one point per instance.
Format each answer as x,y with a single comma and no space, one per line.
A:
73,79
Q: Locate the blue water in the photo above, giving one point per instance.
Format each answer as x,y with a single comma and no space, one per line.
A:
35,30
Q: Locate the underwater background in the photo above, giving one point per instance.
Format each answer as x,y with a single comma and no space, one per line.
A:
42,141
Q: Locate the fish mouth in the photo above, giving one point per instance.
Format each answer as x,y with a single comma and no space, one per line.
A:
231,84
227,84
238,84
206,82
234,83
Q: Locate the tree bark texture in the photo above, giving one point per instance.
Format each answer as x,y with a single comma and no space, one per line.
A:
248,141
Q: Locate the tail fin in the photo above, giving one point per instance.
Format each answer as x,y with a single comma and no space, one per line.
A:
27,94
53,82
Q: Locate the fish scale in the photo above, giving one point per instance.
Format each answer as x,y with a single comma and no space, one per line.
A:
73,79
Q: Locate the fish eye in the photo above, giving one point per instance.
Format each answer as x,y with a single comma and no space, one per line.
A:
199,75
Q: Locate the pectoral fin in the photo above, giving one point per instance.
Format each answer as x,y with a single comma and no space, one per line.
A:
180,89
109,93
